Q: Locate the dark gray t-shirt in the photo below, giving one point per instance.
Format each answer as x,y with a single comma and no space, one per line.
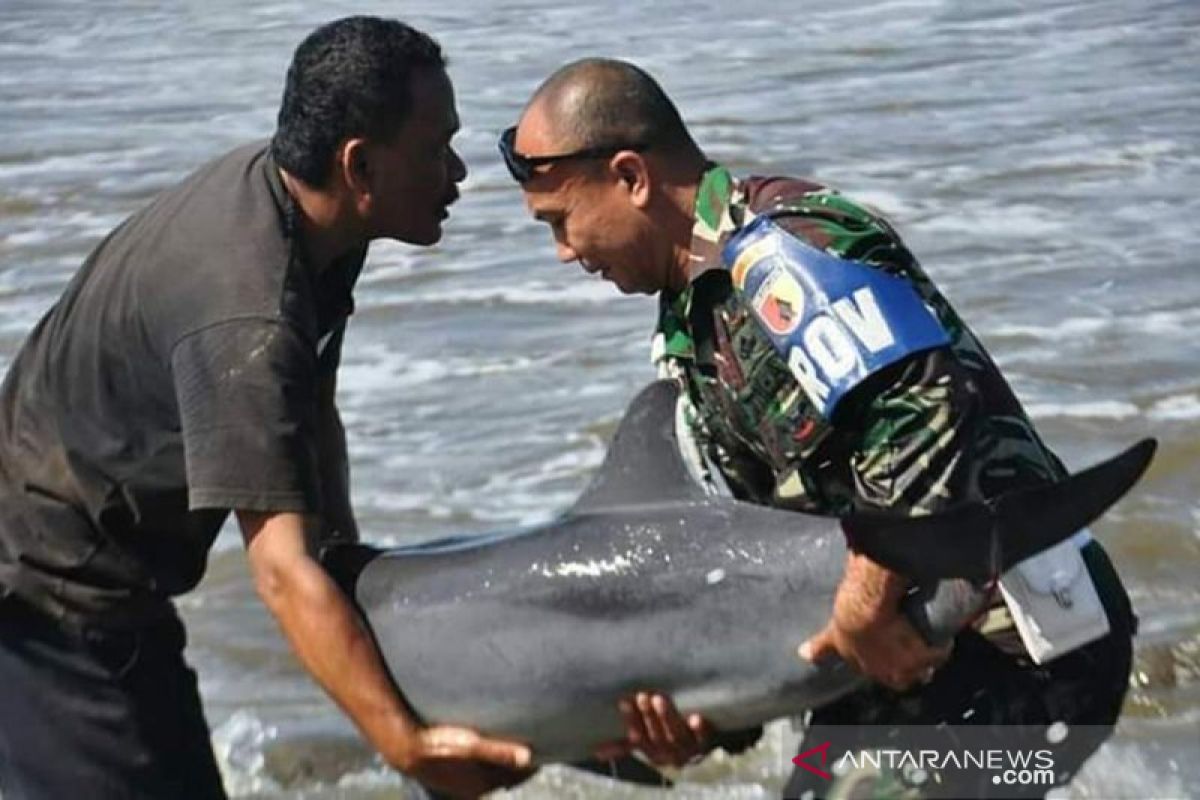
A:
187,370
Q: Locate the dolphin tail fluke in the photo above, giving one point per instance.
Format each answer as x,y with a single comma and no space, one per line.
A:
981,540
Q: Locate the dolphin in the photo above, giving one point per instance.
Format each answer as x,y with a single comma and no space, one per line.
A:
648,582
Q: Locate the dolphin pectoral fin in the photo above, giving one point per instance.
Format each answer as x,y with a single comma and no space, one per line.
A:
1029,520
952,544
627,770
981,540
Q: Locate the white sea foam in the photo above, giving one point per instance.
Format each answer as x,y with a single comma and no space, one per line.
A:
1070,327
1127,770
373,781
1021,221
378,368
1079,155
1096,409
1173,321
1177,407
75,164
398,503
239,746
85,224
574,293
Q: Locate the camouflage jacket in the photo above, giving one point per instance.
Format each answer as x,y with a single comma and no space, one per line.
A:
938,427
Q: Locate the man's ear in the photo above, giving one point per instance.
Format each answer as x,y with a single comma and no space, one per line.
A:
634,175
353,164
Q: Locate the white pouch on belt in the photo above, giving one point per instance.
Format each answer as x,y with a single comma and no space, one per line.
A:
1053,601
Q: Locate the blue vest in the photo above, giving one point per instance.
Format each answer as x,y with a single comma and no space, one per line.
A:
835,321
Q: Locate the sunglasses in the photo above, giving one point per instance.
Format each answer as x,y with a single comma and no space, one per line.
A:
521,167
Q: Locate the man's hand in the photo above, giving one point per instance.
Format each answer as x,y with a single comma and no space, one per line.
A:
460,763
869,631
656,728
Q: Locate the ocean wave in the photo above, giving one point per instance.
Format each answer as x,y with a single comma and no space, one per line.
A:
1095,409
376,368
1072,326
239,744
1022,221
1173,321
575,293
37,231
1128,769
1178,407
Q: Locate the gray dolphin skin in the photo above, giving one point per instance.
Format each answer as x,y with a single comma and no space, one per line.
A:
648,582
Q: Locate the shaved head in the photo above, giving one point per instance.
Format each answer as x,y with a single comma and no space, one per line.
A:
611,168
600,102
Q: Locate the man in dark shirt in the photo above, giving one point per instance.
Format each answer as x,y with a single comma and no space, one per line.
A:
187,371
604,159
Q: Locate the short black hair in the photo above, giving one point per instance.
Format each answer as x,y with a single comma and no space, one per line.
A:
350,77
603,102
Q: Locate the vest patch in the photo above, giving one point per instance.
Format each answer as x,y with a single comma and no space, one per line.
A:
835,321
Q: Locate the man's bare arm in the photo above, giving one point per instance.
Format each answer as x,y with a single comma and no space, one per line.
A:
331,643
869,630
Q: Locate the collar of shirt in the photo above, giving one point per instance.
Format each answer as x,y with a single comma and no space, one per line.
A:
719,204
333,287
288,212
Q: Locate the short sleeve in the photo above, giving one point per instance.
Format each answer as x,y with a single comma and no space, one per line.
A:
918,425
247,407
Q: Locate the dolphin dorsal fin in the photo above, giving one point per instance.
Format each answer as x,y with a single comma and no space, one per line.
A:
643,464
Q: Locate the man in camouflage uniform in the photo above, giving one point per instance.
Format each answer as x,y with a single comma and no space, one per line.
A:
604,159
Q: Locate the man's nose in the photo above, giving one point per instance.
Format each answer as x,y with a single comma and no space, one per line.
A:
458,167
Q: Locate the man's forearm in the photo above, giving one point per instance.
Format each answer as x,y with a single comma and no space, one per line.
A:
868,592
869,631
325,633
